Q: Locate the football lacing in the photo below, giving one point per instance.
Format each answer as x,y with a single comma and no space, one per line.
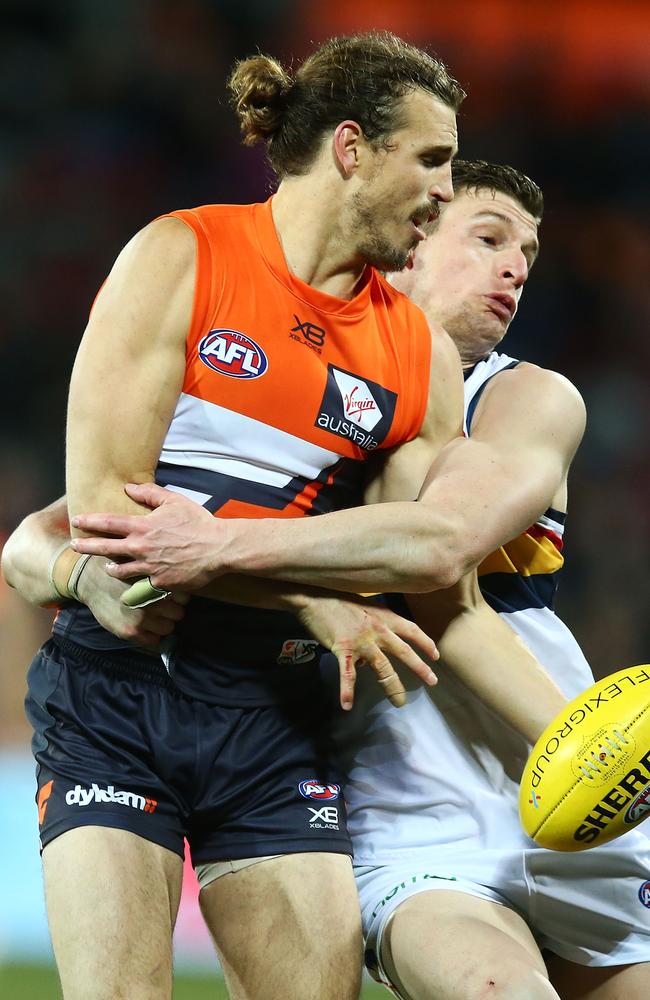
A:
595,762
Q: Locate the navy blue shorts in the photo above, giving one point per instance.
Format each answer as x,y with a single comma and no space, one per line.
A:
120,746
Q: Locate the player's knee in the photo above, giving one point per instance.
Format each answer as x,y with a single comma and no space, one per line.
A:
508,980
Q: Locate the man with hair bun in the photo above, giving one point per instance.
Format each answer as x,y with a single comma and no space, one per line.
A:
253,361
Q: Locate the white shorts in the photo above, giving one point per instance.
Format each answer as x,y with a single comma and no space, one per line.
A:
591,907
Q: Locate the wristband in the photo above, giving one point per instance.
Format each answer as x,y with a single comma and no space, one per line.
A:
59,590
64,570
73,579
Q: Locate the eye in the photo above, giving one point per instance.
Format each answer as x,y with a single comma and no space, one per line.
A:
490,240
432,160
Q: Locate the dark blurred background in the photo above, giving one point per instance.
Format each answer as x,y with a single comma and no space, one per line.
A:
114,112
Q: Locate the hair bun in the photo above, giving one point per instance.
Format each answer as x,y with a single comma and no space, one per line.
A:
259,86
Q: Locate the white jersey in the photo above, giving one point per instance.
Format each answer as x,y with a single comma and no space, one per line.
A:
443,771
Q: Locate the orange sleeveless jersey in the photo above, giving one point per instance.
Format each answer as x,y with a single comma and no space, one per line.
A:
287,389
286,392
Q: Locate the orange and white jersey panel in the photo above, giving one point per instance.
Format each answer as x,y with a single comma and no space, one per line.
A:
287,389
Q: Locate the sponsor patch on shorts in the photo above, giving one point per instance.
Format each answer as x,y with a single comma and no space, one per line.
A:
80,796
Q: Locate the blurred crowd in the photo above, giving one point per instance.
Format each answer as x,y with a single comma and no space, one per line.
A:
112,113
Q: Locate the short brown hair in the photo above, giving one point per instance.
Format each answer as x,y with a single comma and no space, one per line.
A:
362,77
481,175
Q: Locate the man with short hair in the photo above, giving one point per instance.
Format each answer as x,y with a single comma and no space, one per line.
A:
457,902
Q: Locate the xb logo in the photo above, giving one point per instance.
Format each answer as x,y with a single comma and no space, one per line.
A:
313,334
328,814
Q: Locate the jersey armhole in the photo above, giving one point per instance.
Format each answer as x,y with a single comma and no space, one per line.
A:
203,305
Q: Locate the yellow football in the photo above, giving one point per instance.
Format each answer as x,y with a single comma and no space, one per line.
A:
587,779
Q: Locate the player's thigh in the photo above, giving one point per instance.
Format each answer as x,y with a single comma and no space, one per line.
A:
614,982
455,946
112,899
288,928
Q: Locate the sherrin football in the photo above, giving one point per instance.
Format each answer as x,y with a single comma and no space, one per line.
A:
587,779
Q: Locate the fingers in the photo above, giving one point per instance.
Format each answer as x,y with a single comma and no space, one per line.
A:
146,638
379,663
412,633
128,570
347,678
392,685
159,626
403,652
111,547
170,610
149,493
112,524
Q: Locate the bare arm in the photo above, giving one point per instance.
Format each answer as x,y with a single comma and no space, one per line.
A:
491,660
28,552
36,562
480,492
36,552
129,369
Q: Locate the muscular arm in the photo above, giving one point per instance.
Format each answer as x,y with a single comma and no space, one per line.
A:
490,659
129,369
480,493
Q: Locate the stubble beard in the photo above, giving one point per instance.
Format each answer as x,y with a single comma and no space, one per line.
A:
374,247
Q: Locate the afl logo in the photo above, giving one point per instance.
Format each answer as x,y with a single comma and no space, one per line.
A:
232,353
312,789
644,894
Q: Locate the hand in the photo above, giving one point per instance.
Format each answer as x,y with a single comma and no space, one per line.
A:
147,627
169,545
357,632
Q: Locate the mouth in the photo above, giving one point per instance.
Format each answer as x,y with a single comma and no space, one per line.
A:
502,305
423,219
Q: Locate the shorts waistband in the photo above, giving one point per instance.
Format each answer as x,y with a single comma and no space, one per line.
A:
121,664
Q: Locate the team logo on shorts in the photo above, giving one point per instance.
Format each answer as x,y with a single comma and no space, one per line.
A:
44,794
644,894
356,408
232,353
297,651
639,806
313,789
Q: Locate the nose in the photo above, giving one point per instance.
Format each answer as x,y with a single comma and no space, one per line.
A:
514,269
441,187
